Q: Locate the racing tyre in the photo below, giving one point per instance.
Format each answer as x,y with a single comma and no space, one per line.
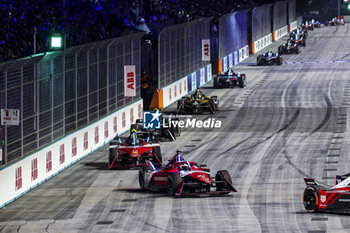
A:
223,175
180,105
310,199
157,155
241,81
110,160
297,50
173,183
142,178
304,43
178,131
216,82
280,49
279,61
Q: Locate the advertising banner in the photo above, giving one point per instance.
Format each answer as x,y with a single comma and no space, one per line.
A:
205,50
9,116
129,81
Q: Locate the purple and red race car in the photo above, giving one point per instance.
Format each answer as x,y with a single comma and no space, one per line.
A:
316,197
134,152
181,178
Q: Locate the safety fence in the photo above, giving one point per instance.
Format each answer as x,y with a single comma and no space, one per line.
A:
233,46
279,20
60,92
261,28
180,50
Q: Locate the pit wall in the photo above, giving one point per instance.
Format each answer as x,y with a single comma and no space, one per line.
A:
261,43
279,33
292,26
233,59
182,87
20,177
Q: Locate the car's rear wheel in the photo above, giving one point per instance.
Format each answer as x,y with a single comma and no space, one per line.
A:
297,50
215,82
223,177
279,61
310,199
142,177
173,183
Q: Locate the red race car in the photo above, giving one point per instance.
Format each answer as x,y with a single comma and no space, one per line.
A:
134,152
336,199
181,178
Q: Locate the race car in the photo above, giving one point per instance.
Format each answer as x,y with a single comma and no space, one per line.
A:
134,152
300,32
335,22
298,39
230,79
316,23
198,102
288,48
316,197
181,178
167,130
269,58
307,26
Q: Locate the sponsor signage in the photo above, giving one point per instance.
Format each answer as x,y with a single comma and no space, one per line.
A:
9,116
206,50
129,81
151,120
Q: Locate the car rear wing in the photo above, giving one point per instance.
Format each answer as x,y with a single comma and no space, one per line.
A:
310,181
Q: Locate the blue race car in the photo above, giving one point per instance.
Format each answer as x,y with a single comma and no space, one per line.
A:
268,59
230,79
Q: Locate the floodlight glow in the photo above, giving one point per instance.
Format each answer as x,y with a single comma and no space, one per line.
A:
56,42
348,7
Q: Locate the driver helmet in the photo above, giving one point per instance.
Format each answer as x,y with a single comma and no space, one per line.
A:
185,167
178,157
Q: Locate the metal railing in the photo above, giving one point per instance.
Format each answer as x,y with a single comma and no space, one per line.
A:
60,92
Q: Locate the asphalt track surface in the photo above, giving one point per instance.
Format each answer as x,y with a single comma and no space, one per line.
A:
289,123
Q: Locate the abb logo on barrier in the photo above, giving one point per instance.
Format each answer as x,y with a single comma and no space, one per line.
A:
115,124
34,169
139,112
170,94
123,120
97,139
18,178
48,161
62,155
106,129
86,140
131,116
129,81
175,92
180,88
74,146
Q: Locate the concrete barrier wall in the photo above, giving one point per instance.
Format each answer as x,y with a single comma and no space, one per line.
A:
182,87
20,177
261,43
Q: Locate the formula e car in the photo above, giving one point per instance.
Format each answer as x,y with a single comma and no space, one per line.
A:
181,178
198,102
316,23
230,79
316,197
134,152
299,32
299,40
167,130
269,58
335,22
307,26
288,48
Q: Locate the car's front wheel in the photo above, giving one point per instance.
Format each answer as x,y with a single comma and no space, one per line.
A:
173,183
222,177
